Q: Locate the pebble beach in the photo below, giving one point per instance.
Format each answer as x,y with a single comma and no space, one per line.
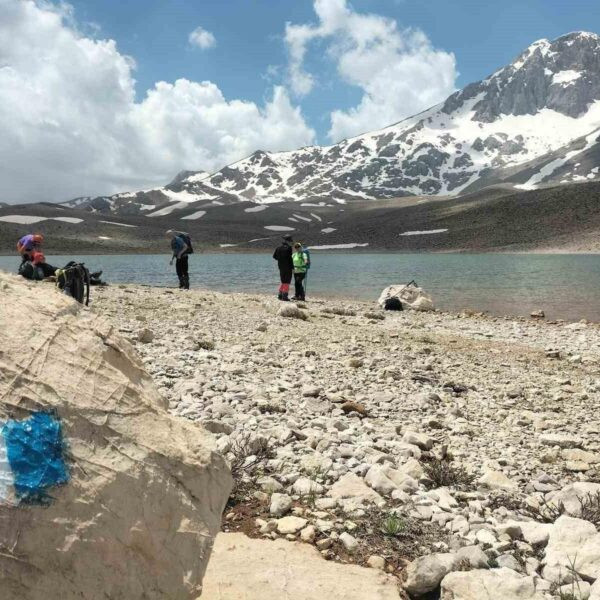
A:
434,446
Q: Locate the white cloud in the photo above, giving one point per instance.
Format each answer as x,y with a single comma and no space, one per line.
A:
202,38
399,71
71,125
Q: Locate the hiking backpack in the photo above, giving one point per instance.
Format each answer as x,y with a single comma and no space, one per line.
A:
74,280
307,252
188,240
30,271
393,304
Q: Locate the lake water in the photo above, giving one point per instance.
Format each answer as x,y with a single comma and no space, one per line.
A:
564,286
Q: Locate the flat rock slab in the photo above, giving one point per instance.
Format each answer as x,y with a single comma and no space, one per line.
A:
241,568
493,584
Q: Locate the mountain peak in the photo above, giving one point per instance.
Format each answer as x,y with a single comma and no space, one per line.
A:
534,121
562,75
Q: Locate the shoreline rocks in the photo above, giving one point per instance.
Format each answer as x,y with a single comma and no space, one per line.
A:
465,442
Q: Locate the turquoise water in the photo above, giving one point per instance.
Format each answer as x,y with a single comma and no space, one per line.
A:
564,286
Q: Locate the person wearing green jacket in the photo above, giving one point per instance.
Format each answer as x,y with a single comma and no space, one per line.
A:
300,260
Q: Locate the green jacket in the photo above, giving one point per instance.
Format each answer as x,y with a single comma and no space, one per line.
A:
300,259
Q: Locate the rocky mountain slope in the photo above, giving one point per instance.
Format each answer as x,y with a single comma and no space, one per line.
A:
534,122
497,218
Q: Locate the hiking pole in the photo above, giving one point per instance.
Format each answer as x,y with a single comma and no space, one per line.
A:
306,283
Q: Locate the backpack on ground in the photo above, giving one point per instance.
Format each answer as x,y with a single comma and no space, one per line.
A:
188,240
30,271
74,280
393,304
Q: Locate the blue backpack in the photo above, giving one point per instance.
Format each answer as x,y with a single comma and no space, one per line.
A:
307,252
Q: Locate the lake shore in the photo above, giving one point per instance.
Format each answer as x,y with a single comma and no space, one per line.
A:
355,405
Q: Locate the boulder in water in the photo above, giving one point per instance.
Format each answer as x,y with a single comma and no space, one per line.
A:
410,295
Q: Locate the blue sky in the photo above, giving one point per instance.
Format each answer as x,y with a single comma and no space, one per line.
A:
104,96
483,35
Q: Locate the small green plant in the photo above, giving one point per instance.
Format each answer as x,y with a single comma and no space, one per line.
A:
392,525
310,499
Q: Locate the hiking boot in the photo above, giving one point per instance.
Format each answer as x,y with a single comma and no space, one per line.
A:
280,296
284,297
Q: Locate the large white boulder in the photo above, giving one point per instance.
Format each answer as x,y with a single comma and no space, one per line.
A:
411,296
573,544
496,480
572,496
351,486
102,493
249,569
493,584
425,573
533,533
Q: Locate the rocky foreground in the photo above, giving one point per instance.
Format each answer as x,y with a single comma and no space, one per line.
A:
457,453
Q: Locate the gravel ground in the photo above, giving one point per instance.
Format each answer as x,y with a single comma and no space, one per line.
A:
384,437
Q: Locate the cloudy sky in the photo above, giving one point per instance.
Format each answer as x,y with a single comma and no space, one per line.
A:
98,97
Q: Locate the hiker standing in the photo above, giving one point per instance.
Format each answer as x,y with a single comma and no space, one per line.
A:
283,256
300,260
181,245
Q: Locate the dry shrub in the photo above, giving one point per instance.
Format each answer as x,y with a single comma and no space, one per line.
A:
443,472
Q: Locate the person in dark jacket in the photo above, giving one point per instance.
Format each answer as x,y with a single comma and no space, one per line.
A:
283,256
182,248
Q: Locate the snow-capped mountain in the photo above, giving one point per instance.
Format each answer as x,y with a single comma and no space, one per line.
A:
533,122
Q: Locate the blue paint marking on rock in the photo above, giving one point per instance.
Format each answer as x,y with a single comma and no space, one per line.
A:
35,452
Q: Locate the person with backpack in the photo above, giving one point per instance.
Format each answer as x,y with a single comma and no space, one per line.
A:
181,245
28,244
33,262
301,265
283,256
34,266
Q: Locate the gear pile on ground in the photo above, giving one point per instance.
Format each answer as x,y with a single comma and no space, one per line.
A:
458,453
103,494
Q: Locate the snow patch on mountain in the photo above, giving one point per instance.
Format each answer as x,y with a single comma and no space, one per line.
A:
196,215
338,246
520,120
425,232
167,210
119,224
566,77
548,169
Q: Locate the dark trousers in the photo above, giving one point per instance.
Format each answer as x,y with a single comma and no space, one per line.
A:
182,268
285,275
298,287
